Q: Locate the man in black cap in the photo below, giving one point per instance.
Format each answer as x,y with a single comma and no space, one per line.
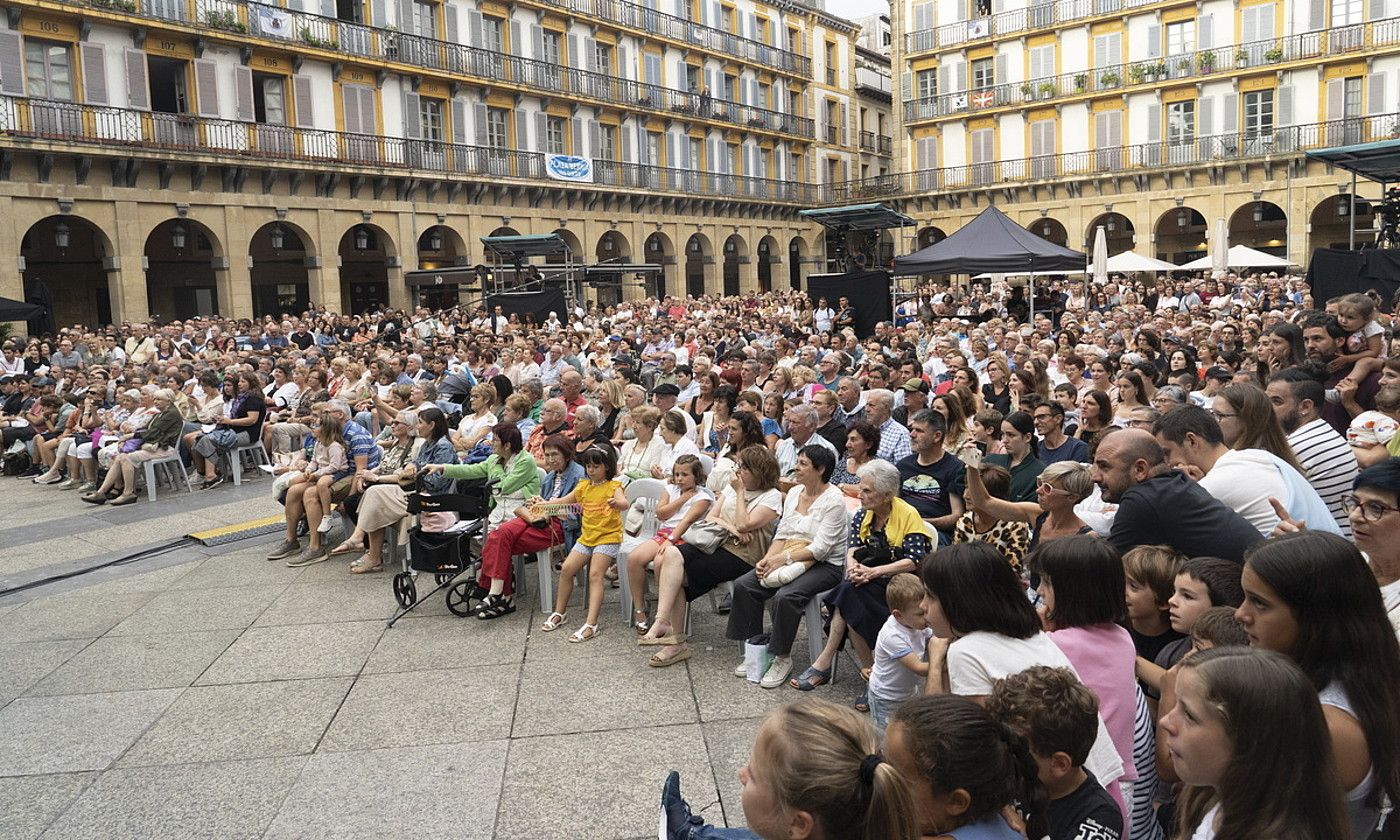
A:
1217,377
915,400
664,398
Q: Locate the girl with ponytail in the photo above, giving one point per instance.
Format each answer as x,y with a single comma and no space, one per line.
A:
966,770
815,772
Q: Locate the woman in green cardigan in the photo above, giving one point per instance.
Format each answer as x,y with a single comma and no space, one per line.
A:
516,478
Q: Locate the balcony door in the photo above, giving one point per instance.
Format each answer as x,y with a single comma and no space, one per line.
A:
48,76
1181,132
170,100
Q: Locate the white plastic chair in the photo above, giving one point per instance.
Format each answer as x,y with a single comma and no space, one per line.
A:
648,489
235,458
174,471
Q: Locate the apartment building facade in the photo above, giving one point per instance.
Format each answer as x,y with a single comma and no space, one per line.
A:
163,158
1149,118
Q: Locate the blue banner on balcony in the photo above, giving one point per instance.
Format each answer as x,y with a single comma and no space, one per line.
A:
568,168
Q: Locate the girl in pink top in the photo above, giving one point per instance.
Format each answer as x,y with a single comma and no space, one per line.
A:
1081,586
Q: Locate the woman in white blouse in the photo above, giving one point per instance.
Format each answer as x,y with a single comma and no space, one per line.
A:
675,443
639,454
813,532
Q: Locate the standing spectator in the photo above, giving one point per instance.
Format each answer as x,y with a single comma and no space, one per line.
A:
1329,463
931,479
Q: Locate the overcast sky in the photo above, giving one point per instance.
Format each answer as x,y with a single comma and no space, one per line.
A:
853,9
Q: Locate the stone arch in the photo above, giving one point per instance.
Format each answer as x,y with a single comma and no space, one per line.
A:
278,252
440,246
65,264
180,278
1118,228
1261,225
768,256
797,256
736,254
1180,235
699,264
1330,222
1051,230
612,248
659,250
365,251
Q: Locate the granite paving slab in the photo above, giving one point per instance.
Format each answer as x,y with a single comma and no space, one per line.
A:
75,732
25,664
613,692
420,643
426,707
188,610
73,615
28,804
124,663
359,598
295,651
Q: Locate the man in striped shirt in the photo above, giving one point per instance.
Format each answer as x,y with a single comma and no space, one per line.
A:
1324,454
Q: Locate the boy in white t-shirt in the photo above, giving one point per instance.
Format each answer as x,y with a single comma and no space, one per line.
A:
900,663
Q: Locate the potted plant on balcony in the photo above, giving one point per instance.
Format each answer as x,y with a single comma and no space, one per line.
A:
1047,90
1027,90
119,5
1241,57
1273,55
1109,79
1159,71
1206,61
225,20
1183,67
1137,73
1080,82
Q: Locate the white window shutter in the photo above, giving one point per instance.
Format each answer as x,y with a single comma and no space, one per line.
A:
350,105
1283,105
1378,9
541,132
1154,41
1002,69
138,88
575,53
459,121
1336,99
11,63
1205,116
522,130
1229,113
94,58
517,38
243,87
474,28
1375,93
1154,123
590,55
536,41
906,85
1205,32
595,140
944,80
480,117
1317,15
449,12
303,102
960,73
412,117
327,8
378,13
405,13
206,87
575,144
628,154
1249,24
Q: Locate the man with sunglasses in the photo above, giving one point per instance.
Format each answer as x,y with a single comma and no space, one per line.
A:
1055,445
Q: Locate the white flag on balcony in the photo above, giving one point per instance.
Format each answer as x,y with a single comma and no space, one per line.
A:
275,22
568,168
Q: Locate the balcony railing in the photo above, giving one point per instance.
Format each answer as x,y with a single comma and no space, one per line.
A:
1036,16
243,18
1220,149
126,129
654,22
867,141
872,79
886,145
1227,59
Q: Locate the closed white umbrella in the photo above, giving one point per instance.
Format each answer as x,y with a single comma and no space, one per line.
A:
1100,265
1220,248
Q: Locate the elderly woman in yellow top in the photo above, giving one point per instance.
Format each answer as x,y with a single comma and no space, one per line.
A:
887,537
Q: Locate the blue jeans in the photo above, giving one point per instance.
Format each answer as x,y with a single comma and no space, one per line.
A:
881,710
712,832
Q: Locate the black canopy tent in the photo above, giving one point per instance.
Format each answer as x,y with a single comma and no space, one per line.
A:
992,242
15,310
1378,161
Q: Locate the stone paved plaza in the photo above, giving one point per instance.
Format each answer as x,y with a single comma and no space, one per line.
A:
210,693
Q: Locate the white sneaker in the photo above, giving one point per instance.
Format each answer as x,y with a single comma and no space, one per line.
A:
778,672
741,670
327,523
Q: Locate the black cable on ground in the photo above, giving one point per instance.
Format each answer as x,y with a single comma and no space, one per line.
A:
140,555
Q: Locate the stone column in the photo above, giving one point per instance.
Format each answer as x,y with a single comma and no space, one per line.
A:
126,273
324,277
404,231
235,282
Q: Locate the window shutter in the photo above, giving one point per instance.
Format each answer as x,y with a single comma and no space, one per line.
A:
680,75
1336,99
1317,15
1229,113
960,76
138,89
845,126
378,13
1154,41
1375,95
1100,51
624,62
522,131
1101,141
1284,105
412,118
575,53
11,64
206,86
541,132
1205,32
243,87
1205,116
479,114
1002,70
536,41
303,101
595,140
405,13
1249,24
94,58
1265,24
944,78
451,34
628,155
575,144
960,10
1377,9
1154,123
474,27
350,104
906,85
590,54
459,121
921,153
327,8
643,150
671,154
517,39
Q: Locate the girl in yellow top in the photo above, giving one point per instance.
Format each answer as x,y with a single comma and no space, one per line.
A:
603,501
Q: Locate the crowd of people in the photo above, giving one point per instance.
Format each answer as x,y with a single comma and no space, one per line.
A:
1130,568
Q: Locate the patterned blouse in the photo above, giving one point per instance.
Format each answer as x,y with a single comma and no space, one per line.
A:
905,536
1010,538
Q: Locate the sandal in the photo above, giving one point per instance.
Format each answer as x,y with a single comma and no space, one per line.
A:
585,633
643,625
862,703
361,567
495,606
554,621
810,679
661,660
346,547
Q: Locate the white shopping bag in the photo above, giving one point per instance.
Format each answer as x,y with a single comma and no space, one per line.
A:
757,658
